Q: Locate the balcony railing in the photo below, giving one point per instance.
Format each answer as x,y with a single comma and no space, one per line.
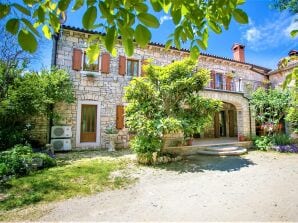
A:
234,84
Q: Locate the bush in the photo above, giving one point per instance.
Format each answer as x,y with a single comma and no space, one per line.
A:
166,101
281,139
29,96
263,143
20,161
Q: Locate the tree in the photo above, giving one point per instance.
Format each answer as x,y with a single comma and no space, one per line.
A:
291,82
13,61
28,96
292,115
291,5
270,107
166,101
132,20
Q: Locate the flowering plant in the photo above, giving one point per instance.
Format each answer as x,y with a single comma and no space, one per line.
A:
287,148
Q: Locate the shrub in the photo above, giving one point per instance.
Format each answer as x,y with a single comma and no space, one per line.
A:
31,95
20,161
281,139
47,161
166,101
263,143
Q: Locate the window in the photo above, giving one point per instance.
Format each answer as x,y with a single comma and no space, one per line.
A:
132,67
218,81
88,66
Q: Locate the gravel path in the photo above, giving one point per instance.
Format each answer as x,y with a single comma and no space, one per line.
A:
255,187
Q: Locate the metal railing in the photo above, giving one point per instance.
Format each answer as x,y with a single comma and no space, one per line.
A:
235,84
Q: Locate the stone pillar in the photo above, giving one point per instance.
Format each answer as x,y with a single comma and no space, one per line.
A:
240,122
253,124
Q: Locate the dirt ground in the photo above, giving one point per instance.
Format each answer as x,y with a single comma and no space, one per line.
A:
258,186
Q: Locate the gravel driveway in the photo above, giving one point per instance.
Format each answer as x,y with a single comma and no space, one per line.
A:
255,187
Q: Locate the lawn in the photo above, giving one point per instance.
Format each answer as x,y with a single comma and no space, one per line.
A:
71,178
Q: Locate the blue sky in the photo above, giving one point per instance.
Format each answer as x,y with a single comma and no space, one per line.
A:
266,37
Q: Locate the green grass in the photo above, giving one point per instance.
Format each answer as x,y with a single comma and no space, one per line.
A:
81,177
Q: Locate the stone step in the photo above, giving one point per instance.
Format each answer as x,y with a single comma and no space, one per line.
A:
222,148
238,151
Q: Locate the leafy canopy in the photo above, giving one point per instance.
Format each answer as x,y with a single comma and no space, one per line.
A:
292,6
291,82
132,20
28,96
270,106
166,101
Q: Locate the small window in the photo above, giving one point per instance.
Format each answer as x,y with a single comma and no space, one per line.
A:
218,81
132,67
87,66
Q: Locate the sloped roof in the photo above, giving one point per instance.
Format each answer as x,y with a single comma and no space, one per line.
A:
266,70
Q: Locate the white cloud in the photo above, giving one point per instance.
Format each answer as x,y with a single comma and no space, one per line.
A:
293,25
252,34
271,34
164,18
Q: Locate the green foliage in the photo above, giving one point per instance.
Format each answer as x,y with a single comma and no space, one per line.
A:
20,160
281,139
28,96
291,82
263,143
192,20
27,41
270,106
167,101
292,117
291,5
240,16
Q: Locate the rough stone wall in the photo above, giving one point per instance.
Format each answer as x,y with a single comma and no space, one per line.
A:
245,119
107,90
40,130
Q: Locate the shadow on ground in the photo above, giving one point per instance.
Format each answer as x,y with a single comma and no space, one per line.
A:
201,163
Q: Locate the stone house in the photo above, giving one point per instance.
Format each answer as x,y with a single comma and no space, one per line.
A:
99,88
278,76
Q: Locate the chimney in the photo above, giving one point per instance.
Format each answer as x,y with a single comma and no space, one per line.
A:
238,52
293,53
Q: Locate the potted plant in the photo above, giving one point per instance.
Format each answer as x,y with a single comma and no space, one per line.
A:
241,138
90,76
188,141
231,74
112,133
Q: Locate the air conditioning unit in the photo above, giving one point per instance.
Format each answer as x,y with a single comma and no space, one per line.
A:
61,144
61,132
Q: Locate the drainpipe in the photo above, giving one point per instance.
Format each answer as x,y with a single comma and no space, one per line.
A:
55,38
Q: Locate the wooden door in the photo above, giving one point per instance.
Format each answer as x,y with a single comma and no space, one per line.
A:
231,123
88,123
216,125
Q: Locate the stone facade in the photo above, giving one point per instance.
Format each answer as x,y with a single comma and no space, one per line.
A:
277,77
106,90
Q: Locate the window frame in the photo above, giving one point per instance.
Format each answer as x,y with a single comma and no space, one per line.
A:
132,66
85,72
219,84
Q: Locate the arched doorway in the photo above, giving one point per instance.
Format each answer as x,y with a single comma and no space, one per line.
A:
234,120
225,122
